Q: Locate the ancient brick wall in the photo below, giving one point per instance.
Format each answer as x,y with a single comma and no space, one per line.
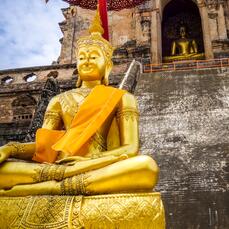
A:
19,96
184,125
135,33
129,31
218,15
21,93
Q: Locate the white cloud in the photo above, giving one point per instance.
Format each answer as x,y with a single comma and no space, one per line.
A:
29,32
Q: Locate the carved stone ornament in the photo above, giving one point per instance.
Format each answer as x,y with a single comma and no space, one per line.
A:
213,4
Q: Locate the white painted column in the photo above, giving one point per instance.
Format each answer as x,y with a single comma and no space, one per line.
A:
156,43
206,32
222,23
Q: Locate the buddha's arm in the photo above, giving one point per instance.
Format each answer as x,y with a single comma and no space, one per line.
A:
52,120
194,46
128,127
173,48
17,150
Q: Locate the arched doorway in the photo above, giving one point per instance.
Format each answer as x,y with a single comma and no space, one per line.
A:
177,14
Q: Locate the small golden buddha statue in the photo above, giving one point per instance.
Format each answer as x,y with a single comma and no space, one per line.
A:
184,48
89,141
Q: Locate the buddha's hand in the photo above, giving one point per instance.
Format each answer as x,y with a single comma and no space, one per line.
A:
75,159
4,153
72,160
123,156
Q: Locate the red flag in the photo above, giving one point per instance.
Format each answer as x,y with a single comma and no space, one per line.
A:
104,17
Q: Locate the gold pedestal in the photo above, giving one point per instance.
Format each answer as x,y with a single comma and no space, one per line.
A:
116,211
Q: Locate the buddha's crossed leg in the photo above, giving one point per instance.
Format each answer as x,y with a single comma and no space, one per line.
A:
133,174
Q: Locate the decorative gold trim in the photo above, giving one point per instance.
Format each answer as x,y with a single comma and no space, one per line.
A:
49,172
124,195
98,142
69,103
134,211
75,185
52,115
127,113
19,148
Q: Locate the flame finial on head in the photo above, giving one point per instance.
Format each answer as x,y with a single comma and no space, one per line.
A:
95,38
96,26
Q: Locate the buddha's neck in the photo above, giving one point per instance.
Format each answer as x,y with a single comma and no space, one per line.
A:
90,84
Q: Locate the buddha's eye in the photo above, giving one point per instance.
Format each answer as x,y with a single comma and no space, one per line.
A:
81,58
93,57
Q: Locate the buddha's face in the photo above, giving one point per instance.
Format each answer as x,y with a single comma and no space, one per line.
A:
91,63
182,31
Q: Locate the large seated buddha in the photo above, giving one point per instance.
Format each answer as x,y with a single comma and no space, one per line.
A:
87,148
184,48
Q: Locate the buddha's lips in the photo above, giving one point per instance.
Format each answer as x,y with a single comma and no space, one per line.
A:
87,69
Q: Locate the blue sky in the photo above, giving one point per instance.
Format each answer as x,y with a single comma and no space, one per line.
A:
29,32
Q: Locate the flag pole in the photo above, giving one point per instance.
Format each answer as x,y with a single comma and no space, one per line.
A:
104,17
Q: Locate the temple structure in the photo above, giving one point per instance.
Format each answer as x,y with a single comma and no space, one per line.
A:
184,114
147,32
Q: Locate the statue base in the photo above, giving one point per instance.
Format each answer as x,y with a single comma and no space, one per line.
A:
138,210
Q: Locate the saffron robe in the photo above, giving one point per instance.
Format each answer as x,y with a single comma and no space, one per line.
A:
91,115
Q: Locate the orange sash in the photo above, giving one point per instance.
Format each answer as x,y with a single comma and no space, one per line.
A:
91,115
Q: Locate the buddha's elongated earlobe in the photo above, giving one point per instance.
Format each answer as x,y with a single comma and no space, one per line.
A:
79,82
105,80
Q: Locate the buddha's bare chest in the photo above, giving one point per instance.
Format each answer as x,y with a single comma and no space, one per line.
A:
183,43
71,101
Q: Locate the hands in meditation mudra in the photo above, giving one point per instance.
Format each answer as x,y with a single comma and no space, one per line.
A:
89,141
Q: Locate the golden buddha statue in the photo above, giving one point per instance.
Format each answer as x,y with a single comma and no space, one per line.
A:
184,48
89,174
89,137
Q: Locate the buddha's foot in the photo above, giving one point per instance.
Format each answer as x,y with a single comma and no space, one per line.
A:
85,166
75,185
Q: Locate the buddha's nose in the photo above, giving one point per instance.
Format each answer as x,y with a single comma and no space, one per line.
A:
87,61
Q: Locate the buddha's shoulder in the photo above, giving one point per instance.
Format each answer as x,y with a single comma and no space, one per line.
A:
70,95
64,94
59,97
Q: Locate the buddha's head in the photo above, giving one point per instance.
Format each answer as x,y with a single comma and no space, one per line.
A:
94,55
183,32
